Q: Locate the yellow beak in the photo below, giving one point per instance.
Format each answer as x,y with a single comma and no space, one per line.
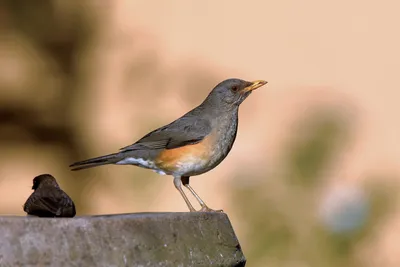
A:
254,85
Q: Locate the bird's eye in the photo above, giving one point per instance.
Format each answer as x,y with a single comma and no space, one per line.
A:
234,88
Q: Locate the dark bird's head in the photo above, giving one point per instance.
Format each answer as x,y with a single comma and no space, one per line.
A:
231,93
44,179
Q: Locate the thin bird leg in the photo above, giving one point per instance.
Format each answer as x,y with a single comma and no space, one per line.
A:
185,181
204,207
178,185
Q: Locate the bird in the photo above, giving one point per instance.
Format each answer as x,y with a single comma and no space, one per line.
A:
191,145
48,200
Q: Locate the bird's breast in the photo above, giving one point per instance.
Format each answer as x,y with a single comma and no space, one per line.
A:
201,157
187,160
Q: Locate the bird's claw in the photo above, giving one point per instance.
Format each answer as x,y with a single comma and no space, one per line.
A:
207,209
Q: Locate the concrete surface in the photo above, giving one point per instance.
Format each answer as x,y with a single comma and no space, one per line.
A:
141,239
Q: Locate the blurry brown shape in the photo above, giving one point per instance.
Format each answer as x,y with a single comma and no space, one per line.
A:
50,35
30,124
48,200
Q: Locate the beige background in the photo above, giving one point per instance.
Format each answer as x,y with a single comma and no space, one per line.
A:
141,64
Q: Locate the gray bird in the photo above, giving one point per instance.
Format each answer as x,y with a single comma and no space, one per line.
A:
191,145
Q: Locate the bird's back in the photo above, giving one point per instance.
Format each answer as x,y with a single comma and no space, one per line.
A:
50,201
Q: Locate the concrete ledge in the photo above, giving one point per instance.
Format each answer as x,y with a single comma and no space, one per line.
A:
141,239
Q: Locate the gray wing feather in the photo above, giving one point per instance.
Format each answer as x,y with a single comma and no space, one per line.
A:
181,132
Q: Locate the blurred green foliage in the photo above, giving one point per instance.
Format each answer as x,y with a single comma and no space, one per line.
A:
280,213
313,146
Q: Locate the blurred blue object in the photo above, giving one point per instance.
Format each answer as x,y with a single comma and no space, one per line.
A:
344,209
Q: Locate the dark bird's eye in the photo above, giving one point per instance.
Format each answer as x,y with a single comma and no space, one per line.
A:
234,88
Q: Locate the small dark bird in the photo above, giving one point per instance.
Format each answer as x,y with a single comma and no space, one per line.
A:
48,200
191,145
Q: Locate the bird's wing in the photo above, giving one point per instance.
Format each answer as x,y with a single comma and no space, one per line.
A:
51,200
181,132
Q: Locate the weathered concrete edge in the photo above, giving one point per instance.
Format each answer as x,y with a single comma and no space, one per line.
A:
182,221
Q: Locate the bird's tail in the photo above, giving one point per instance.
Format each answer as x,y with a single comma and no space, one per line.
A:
94,162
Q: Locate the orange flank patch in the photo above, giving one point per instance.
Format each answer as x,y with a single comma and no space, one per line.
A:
172,159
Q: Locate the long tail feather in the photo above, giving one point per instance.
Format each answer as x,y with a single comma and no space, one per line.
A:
94,162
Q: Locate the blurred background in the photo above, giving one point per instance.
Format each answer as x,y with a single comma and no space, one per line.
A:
313,177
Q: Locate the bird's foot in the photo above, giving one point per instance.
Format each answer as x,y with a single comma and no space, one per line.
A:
207,209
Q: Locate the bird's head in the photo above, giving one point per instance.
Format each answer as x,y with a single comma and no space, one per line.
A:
231,93
42,180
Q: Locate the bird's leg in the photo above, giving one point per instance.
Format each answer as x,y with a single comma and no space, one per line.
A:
204,207
185,182
178,185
